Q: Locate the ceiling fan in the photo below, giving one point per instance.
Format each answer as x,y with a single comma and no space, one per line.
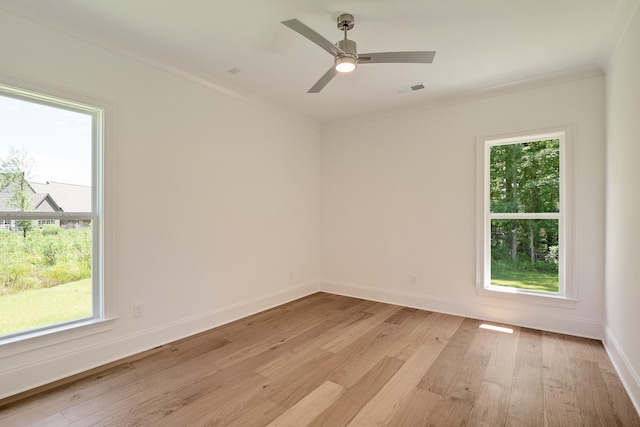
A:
345,54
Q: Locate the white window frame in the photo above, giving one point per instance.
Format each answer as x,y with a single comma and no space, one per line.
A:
567,294
103,295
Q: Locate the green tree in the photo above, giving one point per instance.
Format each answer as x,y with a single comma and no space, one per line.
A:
15,173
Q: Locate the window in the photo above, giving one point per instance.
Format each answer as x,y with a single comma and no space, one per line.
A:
524,221
51,214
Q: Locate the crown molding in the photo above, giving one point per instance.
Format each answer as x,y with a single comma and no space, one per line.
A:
560,77
616,28
38,13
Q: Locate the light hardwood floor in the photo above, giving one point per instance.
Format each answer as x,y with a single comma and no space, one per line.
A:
328,360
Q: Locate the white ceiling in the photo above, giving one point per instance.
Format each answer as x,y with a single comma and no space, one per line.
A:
479,43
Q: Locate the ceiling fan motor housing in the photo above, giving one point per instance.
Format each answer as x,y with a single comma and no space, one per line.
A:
348,47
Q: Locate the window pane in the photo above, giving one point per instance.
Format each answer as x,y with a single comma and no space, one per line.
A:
524,254
525,177
45,158
46,259
45,278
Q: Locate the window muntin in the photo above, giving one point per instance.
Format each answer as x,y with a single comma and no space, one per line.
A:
524,212
62,140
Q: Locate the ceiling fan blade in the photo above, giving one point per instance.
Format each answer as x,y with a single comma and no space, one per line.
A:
326,78
307,32
396,57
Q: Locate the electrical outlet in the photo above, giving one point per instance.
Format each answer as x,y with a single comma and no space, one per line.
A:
414,279
137,310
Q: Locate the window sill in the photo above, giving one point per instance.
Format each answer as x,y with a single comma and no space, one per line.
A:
40,339
527,297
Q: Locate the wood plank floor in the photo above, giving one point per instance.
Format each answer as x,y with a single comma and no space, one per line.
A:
328,360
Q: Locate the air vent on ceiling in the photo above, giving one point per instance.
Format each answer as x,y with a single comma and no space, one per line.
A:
411,88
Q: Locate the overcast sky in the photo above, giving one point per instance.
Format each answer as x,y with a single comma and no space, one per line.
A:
58,141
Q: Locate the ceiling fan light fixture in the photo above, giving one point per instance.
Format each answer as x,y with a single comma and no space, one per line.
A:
345,64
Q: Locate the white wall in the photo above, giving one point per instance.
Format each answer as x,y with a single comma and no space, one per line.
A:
215,202
398,197
622,296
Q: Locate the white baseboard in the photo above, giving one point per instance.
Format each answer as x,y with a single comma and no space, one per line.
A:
59,366
628,375
62,365
495,313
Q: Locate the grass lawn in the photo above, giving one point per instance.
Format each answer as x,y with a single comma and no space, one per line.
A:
533,281
38,307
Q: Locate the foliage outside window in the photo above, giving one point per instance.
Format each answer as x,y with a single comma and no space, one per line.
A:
50,212
524,215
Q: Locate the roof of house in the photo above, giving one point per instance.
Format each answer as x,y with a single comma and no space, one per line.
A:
70,197
41,202
53,197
